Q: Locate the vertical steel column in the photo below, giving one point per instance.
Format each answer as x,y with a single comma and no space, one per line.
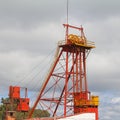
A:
80,54
76,71
66,84
73,71
84,68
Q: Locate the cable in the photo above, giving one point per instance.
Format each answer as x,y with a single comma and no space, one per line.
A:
34,69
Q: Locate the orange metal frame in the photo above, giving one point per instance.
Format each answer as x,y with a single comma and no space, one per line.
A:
66,78
14,94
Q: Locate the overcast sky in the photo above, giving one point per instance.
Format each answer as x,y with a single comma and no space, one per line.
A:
30,30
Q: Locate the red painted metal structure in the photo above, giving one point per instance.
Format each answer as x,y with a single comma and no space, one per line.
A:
22,103
65,91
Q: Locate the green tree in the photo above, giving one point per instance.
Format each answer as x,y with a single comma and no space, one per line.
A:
40,113
6,106
36,114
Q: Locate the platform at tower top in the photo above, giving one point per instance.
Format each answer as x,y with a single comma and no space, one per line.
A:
87,44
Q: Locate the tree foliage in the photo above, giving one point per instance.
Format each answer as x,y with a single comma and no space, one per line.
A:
6,106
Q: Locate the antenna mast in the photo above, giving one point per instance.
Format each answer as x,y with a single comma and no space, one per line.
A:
67,11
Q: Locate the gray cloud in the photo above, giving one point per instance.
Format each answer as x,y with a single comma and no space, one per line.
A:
29,30
27,14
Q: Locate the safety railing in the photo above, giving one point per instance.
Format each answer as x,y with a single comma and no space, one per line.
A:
85,44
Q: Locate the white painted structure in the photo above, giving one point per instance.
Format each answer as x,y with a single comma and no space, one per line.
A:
84,116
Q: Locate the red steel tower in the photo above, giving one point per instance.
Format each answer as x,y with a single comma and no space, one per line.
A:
65,90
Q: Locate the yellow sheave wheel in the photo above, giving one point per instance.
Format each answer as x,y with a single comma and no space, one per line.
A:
73,38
